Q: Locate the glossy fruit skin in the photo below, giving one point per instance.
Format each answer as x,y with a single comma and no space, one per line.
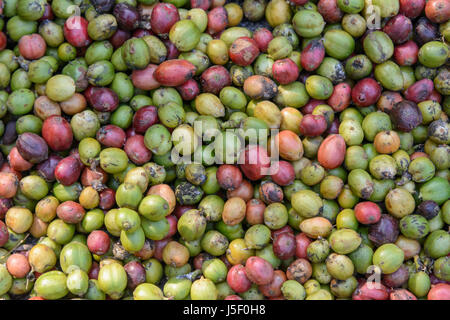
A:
308,23
174,72
75,254
51,285
284,246
406,54
93,178
289,145
386,142
313,125
285,71
437,11
440,291
419,91
135,53
285,174
18,219
255,211
10,133
32,46
412,9
378,46
144,118
57,132
367,292
237,279
32,147
367,212
111,136
432,54
127,16
260,87
17,162
398,28
244,191
98,242
189,90
70,212
17,265
9,184
163,17
301,244
68,170
262,36
253,162
331,152
144,78
102,99
319,87
2,41
312,55
330,11
432,242
136,150
273,289
112,280
234,211
119,38
217,20
258,270
341,97
366,92
401,294
214,79
390,76
339,266
202,4
388,257
345,241
419,283
339,44
425,31
75,31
